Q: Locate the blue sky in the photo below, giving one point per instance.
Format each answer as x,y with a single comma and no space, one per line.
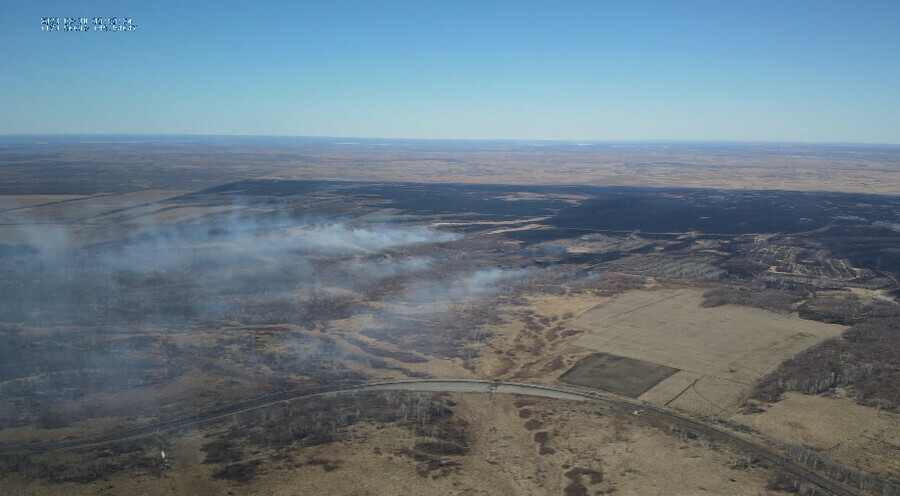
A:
593,70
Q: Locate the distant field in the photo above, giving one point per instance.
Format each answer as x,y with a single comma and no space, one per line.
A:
12,202
87,168
61,208
720,351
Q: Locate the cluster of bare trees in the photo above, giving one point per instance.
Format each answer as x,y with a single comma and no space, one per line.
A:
866,359
311,422
327,419
865,482
85,465
784,483
773,300
846,309
601,243
823,282
606,283
848,374
698,268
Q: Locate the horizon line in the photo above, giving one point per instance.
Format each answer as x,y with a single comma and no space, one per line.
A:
486,140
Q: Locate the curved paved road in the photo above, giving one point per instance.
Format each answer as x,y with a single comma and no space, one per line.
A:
451,386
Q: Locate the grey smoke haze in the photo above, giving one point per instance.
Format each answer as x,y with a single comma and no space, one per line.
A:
893,226
480,284
49,240
267,268
200,270
337,238
242,238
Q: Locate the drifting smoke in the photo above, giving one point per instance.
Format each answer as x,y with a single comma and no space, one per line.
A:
239,239
482,283
336,238
48,240
439,295
893,226
197,271
107,309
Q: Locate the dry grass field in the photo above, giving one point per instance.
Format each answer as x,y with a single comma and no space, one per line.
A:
788,167
720,352
514,446
837,428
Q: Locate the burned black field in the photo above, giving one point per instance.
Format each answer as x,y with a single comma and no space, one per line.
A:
621,375
861,228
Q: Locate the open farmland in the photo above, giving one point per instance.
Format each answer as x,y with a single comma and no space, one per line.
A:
720,352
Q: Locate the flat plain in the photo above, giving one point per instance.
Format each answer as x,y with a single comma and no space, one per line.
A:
151,281
724,350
